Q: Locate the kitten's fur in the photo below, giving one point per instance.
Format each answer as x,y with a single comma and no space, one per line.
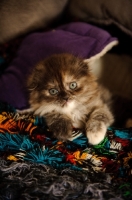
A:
83,107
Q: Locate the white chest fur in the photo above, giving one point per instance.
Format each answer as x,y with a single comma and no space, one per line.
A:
72,110
75,112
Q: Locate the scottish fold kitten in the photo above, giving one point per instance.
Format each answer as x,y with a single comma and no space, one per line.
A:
64,91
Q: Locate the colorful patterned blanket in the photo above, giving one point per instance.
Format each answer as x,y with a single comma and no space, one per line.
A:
34,165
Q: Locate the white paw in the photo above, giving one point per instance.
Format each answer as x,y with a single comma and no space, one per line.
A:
96,137
25,111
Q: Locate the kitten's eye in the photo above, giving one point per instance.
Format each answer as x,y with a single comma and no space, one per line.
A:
73,85
53,91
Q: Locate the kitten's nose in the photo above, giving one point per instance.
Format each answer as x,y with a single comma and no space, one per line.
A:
64,95
66,98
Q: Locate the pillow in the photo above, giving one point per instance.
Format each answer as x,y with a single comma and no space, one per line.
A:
80,39
20,17
118,13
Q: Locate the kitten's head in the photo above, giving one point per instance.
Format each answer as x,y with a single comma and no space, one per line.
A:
60,79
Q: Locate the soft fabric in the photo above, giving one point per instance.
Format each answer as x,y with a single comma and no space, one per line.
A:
28,181
29,156
21,17
101,12
80,39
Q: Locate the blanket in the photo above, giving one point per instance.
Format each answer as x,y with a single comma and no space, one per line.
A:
34,165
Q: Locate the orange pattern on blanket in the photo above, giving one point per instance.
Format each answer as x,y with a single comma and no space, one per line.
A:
8,124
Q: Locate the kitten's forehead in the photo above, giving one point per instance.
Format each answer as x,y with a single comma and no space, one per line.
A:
68,77
64,67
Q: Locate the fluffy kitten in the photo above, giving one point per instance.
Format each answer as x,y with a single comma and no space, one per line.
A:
65,92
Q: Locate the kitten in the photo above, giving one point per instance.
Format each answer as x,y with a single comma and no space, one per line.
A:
66,93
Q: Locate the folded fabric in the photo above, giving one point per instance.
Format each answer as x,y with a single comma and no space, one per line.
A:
17,18
80,39
104,13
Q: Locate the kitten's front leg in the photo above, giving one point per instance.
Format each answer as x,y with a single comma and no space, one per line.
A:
97,123
25,111
60,125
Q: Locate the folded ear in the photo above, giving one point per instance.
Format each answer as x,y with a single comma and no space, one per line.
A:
85,65
34,77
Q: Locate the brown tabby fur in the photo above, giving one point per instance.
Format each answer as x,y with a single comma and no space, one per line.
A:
85,106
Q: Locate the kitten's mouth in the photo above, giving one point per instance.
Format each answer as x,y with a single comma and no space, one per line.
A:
64,104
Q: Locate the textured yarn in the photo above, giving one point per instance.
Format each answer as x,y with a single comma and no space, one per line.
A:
34,165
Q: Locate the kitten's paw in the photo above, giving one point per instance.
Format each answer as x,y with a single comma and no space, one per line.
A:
25,111
95,137
62,129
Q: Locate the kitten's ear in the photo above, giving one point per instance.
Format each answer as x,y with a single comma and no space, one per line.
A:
87,65
31,82
34,78
32,87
